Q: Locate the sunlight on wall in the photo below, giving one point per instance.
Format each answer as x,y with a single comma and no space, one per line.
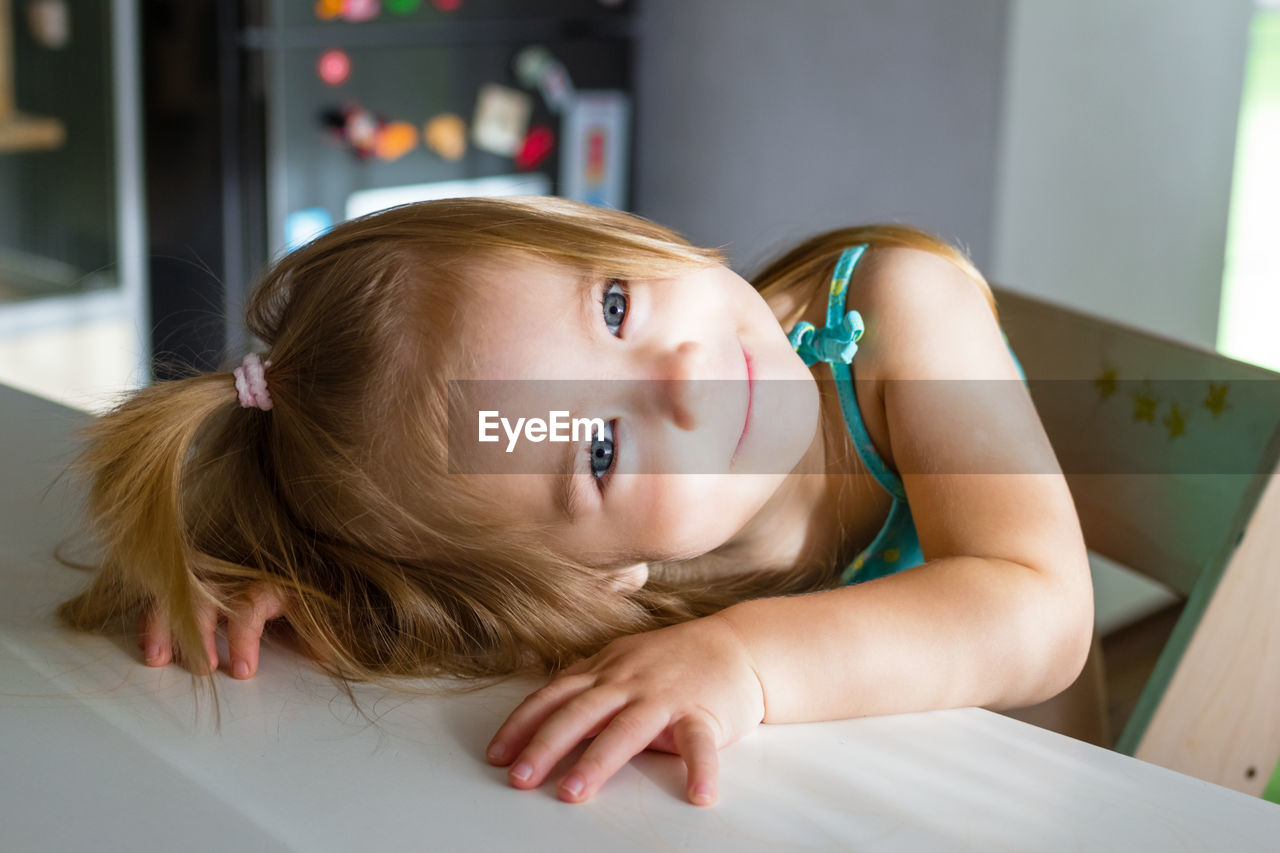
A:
1250,313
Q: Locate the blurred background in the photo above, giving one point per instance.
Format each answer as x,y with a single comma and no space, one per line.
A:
1116,156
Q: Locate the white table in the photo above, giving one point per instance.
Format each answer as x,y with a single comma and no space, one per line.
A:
98,751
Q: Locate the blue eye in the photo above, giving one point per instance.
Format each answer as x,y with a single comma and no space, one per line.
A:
614,306
601,454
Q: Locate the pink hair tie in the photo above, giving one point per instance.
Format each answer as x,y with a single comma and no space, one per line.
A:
251,383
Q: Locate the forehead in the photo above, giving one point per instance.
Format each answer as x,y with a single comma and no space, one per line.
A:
520,323
520,316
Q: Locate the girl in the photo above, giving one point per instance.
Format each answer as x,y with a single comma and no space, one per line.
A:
340,484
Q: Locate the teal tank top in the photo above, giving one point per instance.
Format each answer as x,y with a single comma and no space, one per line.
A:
896,546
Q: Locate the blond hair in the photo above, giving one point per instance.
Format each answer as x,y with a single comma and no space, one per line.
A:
341,496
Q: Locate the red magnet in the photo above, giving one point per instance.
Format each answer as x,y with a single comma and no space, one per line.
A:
538,143
334,67
447,5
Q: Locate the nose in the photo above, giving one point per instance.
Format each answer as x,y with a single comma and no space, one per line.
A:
681,375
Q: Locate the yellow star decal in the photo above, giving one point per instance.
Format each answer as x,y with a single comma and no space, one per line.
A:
1174,422
1106,383
1216,400
1144,407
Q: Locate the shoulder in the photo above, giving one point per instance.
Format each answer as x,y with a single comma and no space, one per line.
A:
925,319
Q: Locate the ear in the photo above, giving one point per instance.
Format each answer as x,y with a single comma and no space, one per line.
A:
631,578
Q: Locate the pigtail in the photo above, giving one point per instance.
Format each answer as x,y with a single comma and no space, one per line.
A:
135,463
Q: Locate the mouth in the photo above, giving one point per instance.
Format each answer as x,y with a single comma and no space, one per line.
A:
746,419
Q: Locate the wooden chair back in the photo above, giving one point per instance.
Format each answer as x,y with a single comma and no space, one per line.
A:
1171,453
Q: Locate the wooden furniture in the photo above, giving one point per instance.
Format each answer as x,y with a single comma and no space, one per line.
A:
1172,454
20,132
101,751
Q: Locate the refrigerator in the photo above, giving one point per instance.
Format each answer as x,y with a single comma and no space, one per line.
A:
270,121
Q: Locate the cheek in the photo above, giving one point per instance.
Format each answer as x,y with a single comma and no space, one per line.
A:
700,513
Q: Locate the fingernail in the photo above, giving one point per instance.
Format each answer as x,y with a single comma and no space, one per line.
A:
240,669
573,786
521,772
497,752
153,652
702,794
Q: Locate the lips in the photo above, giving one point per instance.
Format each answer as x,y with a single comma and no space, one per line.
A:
746,419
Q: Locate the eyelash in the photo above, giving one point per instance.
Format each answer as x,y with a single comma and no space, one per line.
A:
626,296
602,481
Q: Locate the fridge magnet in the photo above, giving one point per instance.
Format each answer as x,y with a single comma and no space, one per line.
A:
537,146
528,64
395,140
536,67
446,5
49,23
327,10
501,119
593,148
356,127
303,226
446,135
360,10
334,67
402,7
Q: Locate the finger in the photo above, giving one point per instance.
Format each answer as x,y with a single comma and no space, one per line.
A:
207,622
696,742
514,734
245,625
564,729
154,637
626,735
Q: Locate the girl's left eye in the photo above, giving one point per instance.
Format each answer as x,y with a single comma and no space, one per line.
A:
614,306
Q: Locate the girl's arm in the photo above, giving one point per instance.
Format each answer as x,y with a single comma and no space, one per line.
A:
1001,614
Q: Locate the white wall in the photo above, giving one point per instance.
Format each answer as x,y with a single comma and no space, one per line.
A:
1081,149
1116,152
762,122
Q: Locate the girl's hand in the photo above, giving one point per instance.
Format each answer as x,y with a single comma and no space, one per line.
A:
688,689
245,624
